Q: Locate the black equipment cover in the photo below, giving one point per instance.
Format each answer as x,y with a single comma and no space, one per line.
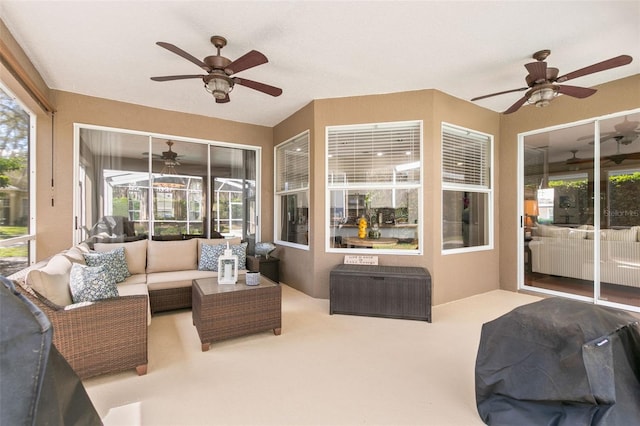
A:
38,386
559,362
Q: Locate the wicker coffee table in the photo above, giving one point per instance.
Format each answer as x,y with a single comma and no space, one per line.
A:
231,310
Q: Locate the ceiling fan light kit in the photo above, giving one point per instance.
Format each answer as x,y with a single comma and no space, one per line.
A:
542,81
542,97
219,80
218,85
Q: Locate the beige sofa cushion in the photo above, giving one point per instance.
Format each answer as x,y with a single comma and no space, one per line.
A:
166,280
164,256
75,255
630,234
135,252
551,231
52,281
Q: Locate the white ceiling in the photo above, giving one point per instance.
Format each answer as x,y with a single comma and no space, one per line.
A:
317,49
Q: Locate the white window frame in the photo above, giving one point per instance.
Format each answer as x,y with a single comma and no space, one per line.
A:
279,193
479,189
78,214
29,238
340,180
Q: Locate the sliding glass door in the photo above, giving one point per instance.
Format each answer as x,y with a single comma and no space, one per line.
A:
581,210
133,186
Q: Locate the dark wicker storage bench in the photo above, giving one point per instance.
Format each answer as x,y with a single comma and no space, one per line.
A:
382,291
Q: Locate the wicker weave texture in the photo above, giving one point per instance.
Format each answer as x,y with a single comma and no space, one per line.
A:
170,299
237,313
107,336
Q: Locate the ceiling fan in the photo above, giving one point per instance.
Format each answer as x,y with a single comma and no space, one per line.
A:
169,158
218,80
619,157
626,132
542,81
577,160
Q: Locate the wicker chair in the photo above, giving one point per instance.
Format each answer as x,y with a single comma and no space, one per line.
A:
102,337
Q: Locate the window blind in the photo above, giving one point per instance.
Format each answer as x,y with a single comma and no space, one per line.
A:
374,154
466,157
292,164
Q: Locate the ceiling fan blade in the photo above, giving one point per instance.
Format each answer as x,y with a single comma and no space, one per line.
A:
499,93
618,61
176,77
175,49
260,87
249,60
517,105
223,100
582,161
575,91
537,71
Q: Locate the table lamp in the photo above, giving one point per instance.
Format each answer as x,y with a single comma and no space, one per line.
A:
530,213
228,267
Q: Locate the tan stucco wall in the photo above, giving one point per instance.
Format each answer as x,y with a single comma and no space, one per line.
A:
296,265
465,274
450,281
613,97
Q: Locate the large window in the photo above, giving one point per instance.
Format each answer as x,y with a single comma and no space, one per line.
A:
292,191
467,194
17,215
135,186
374,187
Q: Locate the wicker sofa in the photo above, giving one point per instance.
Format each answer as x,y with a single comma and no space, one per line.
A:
568,252
110,335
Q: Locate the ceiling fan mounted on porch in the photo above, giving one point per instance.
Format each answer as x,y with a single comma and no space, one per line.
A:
625,133
169,159
218,80
542,81
619,157
574,162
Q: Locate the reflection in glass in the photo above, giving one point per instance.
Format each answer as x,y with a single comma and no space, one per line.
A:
392,212
465,219
579,216
136,187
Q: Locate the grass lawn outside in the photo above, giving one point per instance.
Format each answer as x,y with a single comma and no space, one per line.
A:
17,250
7,232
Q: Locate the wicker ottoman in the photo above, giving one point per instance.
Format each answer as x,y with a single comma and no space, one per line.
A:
231,310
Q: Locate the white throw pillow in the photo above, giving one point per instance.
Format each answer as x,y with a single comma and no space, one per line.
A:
52,281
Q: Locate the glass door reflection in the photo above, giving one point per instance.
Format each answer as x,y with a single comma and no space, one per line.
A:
581,211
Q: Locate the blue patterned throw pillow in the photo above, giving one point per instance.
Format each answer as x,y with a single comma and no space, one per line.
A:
209,255
114,262
240,250
88,284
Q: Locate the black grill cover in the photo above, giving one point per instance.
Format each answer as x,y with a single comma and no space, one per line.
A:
38,386
559,362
